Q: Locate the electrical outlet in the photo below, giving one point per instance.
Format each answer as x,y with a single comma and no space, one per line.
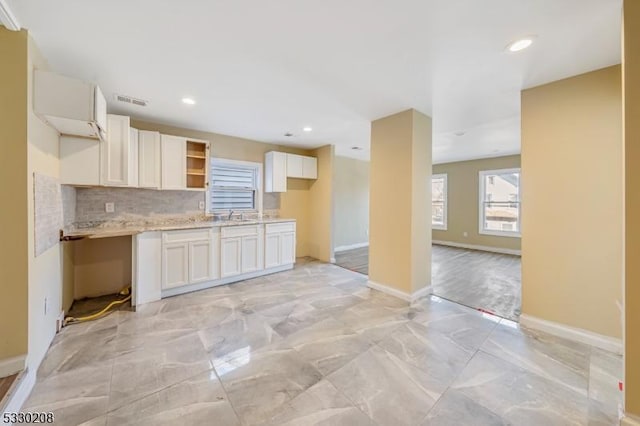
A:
201,205
465,234
109,207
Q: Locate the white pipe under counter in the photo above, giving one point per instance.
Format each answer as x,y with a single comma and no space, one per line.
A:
175,260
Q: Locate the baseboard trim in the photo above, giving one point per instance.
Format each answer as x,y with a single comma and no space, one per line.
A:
629,420
21,393
573,333
13,365
351,247
400,294
475,247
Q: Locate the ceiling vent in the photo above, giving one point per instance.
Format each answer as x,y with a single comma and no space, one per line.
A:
130,100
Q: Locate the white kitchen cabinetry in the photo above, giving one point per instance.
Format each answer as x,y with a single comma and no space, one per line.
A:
187,257
275,172
280,244
115,152
302,167
133,157
242,250
148,159
79,161
173,162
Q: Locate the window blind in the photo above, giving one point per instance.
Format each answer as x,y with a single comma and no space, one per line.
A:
233,187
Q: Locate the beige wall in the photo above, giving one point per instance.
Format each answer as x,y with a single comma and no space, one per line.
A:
400,194
13,184
463,202
572,201
631,84
351,200
320,232
101,266
294,203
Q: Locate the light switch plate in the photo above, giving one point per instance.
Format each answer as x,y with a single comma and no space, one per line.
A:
109,207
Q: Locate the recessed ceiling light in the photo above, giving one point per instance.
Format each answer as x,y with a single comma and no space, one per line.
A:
307,129
521,44
188,101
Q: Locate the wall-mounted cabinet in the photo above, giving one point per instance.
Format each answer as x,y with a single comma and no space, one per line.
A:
115,152
79,161
279,166
148,159
173,160
302,167
197,164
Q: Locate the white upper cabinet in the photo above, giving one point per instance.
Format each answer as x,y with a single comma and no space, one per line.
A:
133,157
174,162
309,168
79,161
115,152
275,172
73,107
294,166
148,159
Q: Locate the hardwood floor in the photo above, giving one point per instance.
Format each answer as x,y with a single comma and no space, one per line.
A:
5,385
478,279
355,260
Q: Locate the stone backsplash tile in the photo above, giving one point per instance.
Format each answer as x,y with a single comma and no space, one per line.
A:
90,203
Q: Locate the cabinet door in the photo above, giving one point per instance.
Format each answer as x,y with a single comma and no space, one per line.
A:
200,261
272,250
148,159
79,161
294,166
174,162
133,157
115,152
175,265
310,167
275,172
230,257
250,254
287,248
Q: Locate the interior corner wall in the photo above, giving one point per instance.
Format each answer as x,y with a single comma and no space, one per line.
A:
463,202
320,242
631,88
45,272
13,183
351,192
572,206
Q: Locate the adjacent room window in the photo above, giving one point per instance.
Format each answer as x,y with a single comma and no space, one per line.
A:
235,185
500,202
439,201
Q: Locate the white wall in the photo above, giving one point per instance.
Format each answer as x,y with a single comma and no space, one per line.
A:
45,276
351,195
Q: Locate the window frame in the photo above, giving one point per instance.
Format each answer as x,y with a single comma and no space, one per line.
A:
445,203
228,162
481,194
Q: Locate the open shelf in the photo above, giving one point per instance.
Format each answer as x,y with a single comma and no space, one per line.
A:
196,165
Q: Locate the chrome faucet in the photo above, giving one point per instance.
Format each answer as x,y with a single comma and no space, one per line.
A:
230,214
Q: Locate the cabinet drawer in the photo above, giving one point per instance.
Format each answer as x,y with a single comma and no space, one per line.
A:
186,235
238,231
273,228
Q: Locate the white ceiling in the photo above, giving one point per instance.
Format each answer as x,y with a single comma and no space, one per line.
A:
258,69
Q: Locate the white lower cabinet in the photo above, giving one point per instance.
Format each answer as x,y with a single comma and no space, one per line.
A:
280,244
230,260
187,257
241,249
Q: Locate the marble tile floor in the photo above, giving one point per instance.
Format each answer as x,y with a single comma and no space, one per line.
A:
315,346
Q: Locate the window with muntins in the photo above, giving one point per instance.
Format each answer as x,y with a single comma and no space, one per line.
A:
500,202
439,201
234,186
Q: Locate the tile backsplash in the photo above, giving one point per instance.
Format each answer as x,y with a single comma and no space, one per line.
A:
90,203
